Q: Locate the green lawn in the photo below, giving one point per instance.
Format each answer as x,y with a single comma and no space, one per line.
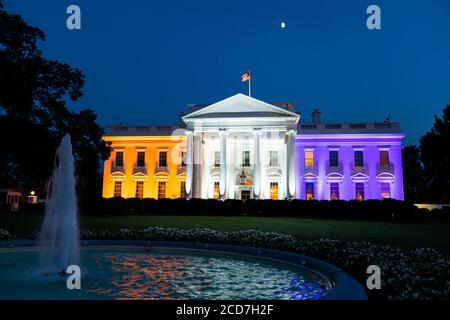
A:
434,234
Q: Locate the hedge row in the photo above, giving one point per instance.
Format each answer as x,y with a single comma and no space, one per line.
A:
387,209
366,210
24,207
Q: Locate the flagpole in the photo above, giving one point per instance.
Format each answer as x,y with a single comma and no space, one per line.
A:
249,84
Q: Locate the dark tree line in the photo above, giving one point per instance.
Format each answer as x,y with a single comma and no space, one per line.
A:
34,116
426,168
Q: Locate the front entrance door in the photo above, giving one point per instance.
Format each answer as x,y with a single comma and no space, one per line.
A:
245,194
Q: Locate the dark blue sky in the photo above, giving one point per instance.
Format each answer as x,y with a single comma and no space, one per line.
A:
145,60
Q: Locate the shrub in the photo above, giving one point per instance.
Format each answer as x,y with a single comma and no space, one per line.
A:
388,209
5,235
365,210
32,208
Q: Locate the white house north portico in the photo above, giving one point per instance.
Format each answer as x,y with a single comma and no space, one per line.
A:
240,148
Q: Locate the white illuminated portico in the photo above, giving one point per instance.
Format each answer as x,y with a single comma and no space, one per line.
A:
240,148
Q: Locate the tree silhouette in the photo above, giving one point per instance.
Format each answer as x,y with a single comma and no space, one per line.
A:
34,116
413,175
435,156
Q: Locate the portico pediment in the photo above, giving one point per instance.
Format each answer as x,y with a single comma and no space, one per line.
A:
239,109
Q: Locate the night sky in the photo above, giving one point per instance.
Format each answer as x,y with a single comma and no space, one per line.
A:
145,60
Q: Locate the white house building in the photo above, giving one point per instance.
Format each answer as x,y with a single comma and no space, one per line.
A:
244,148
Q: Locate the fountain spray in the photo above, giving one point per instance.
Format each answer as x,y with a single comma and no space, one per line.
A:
60,234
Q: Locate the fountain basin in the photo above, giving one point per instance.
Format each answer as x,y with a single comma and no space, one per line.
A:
176,270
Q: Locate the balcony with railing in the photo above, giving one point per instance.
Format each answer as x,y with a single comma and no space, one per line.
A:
385,169
121,130
161,169
360,170
120,169
335,169
273,169
140,170
336,128
310,170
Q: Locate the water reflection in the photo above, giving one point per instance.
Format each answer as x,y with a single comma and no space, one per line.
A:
124,273
162,276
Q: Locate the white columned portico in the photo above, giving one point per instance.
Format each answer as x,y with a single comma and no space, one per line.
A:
227,127
290,164
256,164
223,163
189,163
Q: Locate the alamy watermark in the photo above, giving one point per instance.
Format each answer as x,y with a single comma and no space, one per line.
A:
374,20
374,280
73,21
74,277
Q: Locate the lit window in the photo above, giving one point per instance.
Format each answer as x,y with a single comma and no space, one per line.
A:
217,159
119,159
246,159
309,187
274,195
139,189
334,158
117,188
359,160
385,190
334,191
309,158
359,191
273,159
216,190
141,159
161,189
384,158
182,189
163,159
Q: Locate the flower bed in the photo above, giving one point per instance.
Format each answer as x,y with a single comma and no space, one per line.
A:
406,275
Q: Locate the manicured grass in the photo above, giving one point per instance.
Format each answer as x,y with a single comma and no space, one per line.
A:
434,234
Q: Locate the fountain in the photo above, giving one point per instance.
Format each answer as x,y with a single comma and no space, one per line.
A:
59,238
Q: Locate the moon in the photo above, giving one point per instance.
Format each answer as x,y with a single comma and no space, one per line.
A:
283,25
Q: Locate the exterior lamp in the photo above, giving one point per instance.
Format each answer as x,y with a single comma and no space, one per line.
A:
32,198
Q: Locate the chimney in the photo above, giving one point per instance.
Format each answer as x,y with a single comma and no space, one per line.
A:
316,116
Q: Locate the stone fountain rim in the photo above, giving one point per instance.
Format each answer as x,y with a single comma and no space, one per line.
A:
345,287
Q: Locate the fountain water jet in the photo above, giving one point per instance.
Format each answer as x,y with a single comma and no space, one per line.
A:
59,235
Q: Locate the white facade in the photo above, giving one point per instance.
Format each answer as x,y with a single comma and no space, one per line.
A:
241,148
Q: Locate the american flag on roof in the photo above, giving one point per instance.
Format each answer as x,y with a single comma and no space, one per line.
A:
245,77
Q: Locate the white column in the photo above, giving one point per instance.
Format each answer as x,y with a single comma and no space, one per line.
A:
198,152
256,165
290,164
231,167
223,163
205,169
189,164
